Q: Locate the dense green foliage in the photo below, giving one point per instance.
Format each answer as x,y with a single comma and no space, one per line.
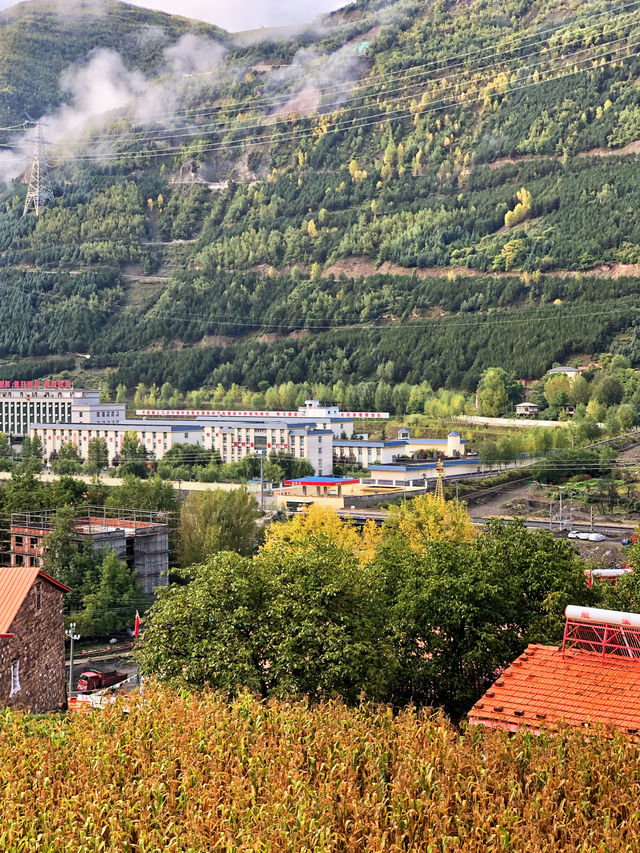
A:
276,276
420,615
218,520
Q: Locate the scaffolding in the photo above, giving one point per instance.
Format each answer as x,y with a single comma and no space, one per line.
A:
95,518
140,538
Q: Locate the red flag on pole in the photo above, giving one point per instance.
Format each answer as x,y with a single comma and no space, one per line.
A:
136,629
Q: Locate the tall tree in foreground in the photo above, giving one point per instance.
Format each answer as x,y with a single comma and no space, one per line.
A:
427,519
285,623
316,613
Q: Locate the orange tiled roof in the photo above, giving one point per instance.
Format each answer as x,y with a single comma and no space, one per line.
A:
544,688
15,583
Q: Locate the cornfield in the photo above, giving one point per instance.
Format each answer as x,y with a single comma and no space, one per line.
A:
196,773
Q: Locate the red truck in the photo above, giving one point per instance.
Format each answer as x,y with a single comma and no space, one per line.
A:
94,680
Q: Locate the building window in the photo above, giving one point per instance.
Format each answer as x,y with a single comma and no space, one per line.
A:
18,542
15,678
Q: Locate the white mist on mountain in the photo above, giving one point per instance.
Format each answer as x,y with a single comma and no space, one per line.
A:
312,71
103,88
97,88
192,65
245,14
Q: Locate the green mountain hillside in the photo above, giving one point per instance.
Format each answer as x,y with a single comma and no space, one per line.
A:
404,191
38,41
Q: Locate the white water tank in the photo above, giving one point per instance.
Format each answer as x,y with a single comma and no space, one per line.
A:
598,616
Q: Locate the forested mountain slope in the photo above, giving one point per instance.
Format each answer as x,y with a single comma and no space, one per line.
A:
480,154
40,40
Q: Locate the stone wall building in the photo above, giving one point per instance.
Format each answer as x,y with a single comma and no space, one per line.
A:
32,655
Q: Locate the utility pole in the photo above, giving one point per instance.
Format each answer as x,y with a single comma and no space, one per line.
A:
561,522
262,479
572,492
72,636
550,515
39,190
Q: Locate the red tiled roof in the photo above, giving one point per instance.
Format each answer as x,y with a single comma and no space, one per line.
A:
15,583
544,688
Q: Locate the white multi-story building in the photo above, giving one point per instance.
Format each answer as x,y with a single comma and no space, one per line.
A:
325,417
24,403
306,433
368,453
239,437
155,436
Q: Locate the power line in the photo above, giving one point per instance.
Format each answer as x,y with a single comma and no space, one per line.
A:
149,135
39,191
591,58
554,314
383,117
612,18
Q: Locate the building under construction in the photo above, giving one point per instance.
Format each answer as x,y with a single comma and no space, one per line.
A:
139,538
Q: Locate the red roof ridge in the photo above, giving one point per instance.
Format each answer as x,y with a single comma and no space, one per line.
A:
55,582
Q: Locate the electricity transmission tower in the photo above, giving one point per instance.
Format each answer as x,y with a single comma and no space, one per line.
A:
440,474
39,191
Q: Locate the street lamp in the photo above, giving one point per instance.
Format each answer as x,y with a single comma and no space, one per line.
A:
70,632
261,454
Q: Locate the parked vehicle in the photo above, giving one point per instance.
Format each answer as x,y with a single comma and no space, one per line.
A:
585,536
92,679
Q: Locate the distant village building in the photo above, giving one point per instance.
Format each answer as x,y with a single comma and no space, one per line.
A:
235,439
423,473
527,409
305,433
593,678
139,538
155,436
32,656
564,370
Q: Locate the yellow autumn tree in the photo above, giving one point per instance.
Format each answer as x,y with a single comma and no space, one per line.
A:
426,519
521,211
303,530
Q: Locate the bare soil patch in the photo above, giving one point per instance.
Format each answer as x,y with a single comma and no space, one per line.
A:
214,341
357,267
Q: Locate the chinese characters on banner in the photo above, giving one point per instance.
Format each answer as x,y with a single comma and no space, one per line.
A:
35,383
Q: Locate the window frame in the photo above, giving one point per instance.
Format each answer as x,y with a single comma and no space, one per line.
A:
15,678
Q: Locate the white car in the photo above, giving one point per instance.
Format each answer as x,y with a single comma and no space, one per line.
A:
587,537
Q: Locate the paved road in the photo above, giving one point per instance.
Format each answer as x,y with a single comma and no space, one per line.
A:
611,530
